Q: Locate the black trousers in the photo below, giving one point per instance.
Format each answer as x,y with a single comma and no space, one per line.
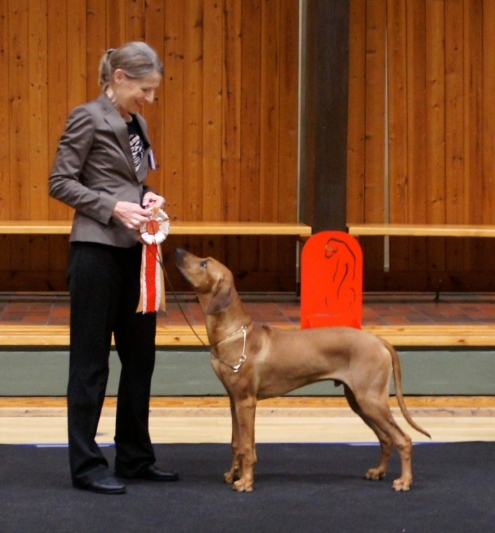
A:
104,292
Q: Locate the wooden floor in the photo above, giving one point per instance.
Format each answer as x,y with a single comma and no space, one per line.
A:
302,419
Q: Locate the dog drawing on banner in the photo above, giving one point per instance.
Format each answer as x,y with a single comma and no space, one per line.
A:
257,361
331,290
342,263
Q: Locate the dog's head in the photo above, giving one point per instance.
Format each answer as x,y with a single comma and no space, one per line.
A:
212,281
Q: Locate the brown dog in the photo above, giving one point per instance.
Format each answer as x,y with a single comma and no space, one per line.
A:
255,362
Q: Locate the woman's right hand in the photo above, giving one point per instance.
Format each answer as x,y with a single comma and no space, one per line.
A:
132,215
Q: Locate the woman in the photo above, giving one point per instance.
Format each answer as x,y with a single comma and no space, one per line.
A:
101,164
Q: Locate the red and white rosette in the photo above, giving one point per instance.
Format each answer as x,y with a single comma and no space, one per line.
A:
153,233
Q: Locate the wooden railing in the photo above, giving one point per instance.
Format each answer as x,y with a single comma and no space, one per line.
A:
421,230
46,227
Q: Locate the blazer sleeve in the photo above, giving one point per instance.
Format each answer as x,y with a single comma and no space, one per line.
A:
65,179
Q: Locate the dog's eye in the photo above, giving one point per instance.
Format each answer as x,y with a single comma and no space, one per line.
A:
203,263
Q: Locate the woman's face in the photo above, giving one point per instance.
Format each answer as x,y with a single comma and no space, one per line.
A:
132,93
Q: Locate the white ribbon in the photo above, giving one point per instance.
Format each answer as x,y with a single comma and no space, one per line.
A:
155,231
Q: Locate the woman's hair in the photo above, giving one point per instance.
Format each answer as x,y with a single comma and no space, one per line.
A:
136,59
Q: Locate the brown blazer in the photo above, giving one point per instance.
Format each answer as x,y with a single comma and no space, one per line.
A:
93,170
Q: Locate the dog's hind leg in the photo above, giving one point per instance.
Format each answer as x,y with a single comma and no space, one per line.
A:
403,443
245,412
386,442
377,415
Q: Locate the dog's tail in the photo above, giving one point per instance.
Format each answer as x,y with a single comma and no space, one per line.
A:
398,388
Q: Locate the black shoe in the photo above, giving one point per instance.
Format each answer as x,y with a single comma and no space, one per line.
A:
105,485
152,473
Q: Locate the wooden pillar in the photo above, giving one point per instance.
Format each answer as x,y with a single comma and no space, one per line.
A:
323,148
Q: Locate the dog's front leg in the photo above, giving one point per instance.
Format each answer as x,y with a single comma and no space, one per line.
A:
245,412
232,474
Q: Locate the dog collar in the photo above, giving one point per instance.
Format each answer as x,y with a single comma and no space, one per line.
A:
242,358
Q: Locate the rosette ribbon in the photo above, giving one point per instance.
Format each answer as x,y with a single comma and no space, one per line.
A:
153,233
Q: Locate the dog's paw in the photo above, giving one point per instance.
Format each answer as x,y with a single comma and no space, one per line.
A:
375,474
242,486
230,476
402,484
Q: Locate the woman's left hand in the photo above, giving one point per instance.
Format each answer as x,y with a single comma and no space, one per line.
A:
150,199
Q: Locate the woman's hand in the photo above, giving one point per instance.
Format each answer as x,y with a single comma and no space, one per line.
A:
150,199
132,215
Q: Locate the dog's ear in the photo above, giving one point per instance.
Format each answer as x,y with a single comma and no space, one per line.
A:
221,300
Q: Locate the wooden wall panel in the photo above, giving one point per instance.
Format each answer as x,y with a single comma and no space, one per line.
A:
473,142
58,89
375,131
116,22
19,112
281,251
487,180
77,71
473,90
174,185
435,129
224,124
4,114
19,119
416,124
454,124
287,198
39,165
248,254
357,112
375,86
135,20
269,125
269,110
155,29
397,123
5,210
231,114
193,109
212,111
440,80
212,199
96,43
397,104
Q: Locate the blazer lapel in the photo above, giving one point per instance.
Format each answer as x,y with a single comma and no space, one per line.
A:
144,128
119,127
142,172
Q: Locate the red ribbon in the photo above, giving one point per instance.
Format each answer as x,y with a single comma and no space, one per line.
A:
150,252
152,283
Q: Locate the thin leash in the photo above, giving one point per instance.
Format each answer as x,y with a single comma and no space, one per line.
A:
164,270
243,329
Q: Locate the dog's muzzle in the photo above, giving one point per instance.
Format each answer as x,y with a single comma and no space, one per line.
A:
179,257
